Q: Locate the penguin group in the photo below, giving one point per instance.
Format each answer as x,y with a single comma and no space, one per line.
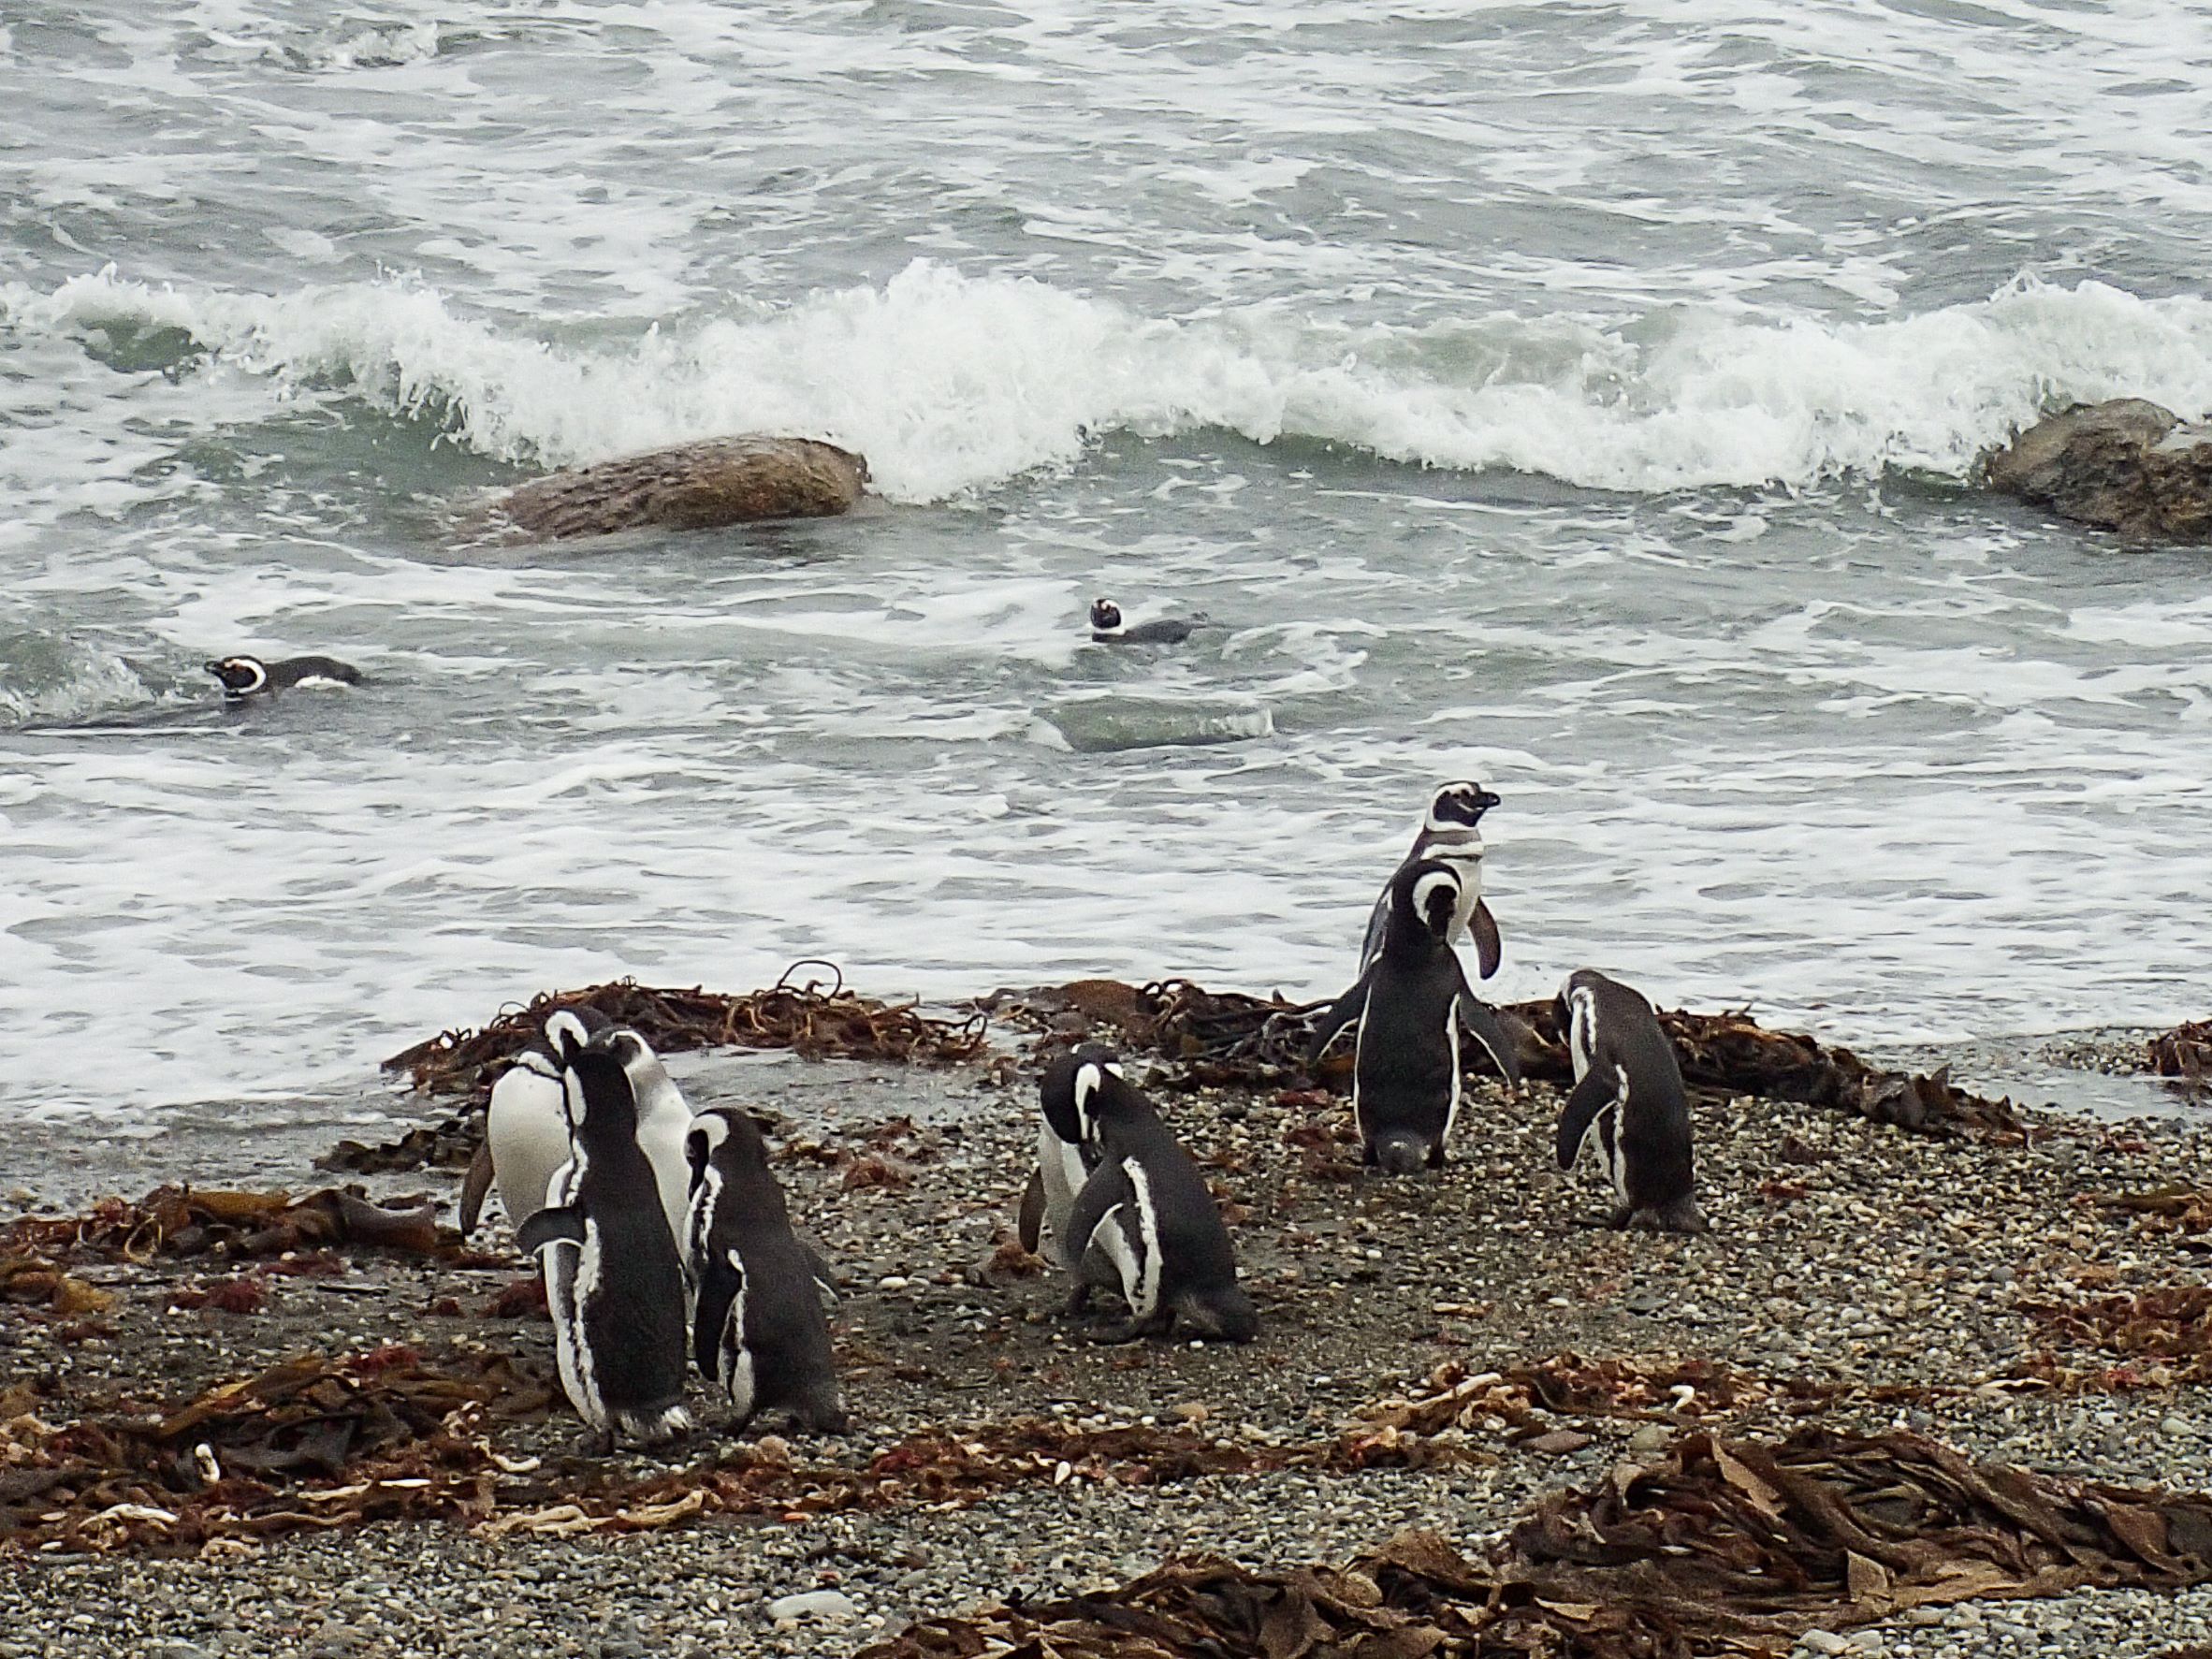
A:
663,1238
667,1245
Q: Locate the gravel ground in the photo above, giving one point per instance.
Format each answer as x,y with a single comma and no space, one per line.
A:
1842,1252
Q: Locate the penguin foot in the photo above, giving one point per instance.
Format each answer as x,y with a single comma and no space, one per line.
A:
1128,1331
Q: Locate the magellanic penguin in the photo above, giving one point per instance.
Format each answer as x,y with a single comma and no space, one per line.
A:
614,1279
1628,1102
526,1130
248,676
1065,1155
1449,835
1145,1223
757,1329
1106,628
1410,1004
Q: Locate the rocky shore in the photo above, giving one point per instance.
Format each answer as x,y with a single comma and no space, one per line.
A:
2026,1297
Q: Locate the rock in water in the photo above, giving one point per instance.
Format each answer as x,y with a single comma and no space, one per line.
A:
2126,465
691,487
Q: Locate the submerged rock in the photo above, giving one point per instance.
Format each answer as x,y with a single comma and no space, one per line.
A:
2126,465
691,487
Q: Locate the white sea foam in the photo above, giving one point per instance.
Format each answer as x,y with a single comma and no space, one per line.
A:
951,383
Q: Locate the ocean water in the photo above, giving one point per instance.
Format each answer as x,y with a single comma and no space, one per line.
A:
1581,397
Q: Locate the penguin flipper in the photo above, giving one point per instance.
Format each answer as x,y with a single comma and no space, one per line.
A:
561,1224
473,1189
1341,1013
1482,1020
1591,1096
1378,925
1030,1223
1488,949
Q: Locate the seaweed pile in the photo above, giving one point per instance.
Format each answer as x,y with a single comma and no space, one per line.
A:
2185,1054
1713,1547
1231,1039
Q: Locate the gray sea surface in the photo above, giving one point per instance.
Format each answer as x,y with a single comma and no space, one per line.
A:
1579,397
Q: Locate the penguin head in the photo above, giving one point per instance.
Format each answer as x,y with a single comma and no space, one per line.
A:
241,676
568,1034
1402,1153
1071,1088
1105,615
1460,805
1433,896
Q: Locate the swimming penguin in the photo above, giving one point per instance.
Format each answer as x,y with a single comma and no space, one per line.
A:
1627,1102
614,1279
525,1132
1449,834
1106,627
1065,1155
248,676
1410,1004
1145,1223
757,1329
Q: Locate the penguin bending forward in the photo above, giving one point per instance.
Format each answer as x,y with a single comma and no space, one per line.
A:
526,1135
1449,834
1065,1155
1410,1003
248,676
613,1281
758,1331
1628,1102
1145,1223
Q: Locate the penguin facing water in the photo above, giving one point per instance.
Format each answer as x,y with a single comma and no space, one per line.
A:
1449,834
250,677
1410,1004
1627,1103
757,1331
526,1133
614,1279
1145,1223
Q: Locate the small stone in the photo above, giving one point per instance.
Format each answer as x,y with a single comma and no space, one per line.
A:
1648,1437
2176,1428
832,1605
1823,1641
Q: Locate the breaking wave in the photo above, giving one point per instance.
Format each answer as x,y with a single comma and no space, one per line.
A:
952,383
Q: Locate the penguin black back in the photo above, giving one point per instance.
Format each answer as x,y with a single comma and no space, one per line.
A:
248,676
758,1331
1628,1103
1146,1216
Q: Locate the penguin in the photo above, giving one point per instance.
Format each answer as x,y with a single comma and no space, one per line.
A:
757,1327
1410,1004
1628,1101
614,1279
526,1131
1145,1223
1065,1155
1449,834
250,677
1106,627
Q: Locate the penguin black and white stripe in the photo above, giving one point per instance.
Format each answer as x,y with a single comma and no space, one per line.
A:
1106,627
615,1283
758,1331
1144,1223
1449,834
250,677
1628,1104
1410,1004
1065,1154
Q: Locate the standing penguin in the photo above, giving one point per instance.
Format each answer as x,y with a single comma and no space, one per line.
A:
525,1132
1410,1003
1065,1155
757,1331
614,1280
1628,1101
1448,835
1145,1222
